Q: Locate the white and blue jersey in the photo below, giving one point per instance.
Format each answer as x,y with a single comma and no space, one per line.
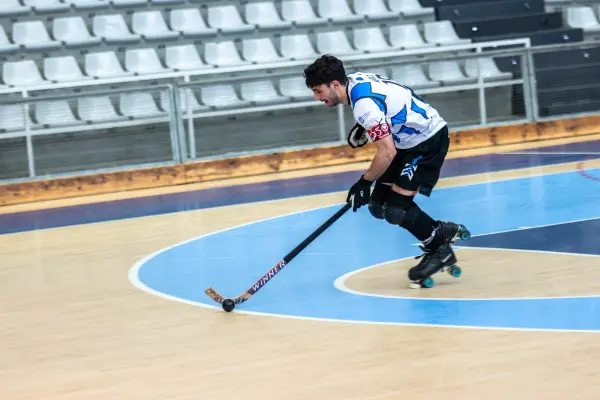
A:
375,99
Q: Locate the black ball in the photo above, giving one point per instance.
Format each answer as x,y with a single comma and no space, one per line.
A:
228,305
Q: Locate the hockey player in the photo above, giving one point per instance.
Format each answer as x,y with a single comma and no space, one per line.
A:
412,141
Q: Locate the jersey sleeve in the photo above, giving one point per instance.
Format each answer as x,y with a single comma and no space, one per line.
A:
369,116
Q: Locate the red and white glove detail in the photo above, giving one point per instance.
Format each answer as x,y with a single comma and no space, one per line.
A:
379,131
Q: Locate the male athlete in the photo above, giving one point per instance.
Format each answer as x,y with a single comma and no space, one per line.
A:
412,140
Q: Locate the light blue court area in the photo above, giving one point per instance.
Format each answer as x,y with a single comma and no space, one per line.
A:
561,212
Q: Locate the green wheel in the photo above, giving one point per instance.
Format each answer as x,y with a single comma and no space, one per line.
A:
464,233
455,271
427,283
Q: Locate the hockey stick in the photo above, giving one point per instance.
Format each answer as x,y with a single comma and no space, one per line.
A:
229,304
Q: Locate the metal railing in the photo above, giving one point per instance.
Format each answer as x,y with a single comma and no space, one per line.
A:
175,130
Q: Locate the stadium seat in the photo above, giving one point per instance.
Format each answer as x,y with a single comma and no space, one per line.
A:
370,39
259,51
190,22
21,73
97,109
10,8
143,61
406,37
582,17
221,96
12,117
373,9
185,95
264,15
222,54
335,43
33,35
295,88
53,113
488,68
228,19
63,69
297,47
260,92
139,105
413,76
73,31
442,33
410,8
300,12
184,58
448,72
46,6
113,29
337,11
166,2
104,65
5,45
151,25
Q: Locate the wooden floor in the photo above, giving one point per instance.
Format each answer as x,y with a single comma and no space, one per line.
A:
72,325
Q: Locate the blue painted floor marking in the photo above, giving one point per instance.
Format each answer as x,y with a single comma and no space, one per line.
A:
232,260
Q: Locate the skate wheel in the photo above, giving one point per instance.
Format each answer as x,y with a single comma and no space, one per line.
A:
455,271
464,233
427,283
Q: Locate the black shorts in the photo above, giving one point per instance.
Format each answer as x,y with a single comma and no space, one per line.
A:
418,168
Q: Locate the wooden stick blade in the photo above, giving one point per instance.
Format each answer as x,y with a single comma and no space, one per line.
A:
213,294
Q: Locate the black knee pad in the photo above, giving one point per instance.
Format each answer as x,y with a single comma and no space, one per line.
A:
376,209
400,210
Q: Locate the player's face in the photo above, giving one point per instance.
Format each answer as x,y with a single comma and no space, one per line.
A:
326,94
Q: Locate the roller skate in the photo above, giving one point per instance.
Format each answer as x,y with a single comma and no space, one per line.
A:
451,231
441,260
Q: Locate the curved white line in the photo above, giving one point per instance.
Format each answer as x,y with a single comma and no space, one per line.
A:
339,283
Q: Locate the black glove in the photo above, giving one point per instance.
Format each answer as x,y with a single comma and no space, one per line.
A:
360,193
357,137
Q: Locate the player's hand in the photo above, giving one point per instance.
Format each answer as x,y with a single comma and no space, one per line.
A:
360,193
357,137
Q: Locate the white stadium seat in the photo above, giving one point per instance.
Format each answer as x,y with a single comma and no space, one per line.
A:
113,29
57,112
223,54
335,43
442,33
227,18
264,15
412,75
297,46
337,10
22,73
63,69
97,109
73,31
374,9
406,37
189,21
183,57
261,92
143,61
300,12
46,6
33,35
104,64
139,105
259,51
221,96
448,72
370,39
151,25
12,117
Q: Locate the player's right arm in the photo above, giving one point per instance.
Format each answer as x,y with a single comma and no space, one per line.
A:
370,116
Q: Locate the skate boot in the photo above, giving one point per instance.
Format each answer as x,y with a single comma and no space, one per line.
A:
451,231
433,261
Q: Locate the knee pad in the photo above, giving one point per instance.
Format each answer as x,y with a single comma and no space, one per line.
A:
376,209
400,210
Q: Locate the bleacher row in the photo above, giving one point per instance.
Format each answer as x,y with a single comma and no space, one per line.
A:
41,44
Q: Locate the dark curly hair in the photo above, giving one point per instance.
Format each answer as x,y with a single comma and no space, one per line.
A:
324,70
